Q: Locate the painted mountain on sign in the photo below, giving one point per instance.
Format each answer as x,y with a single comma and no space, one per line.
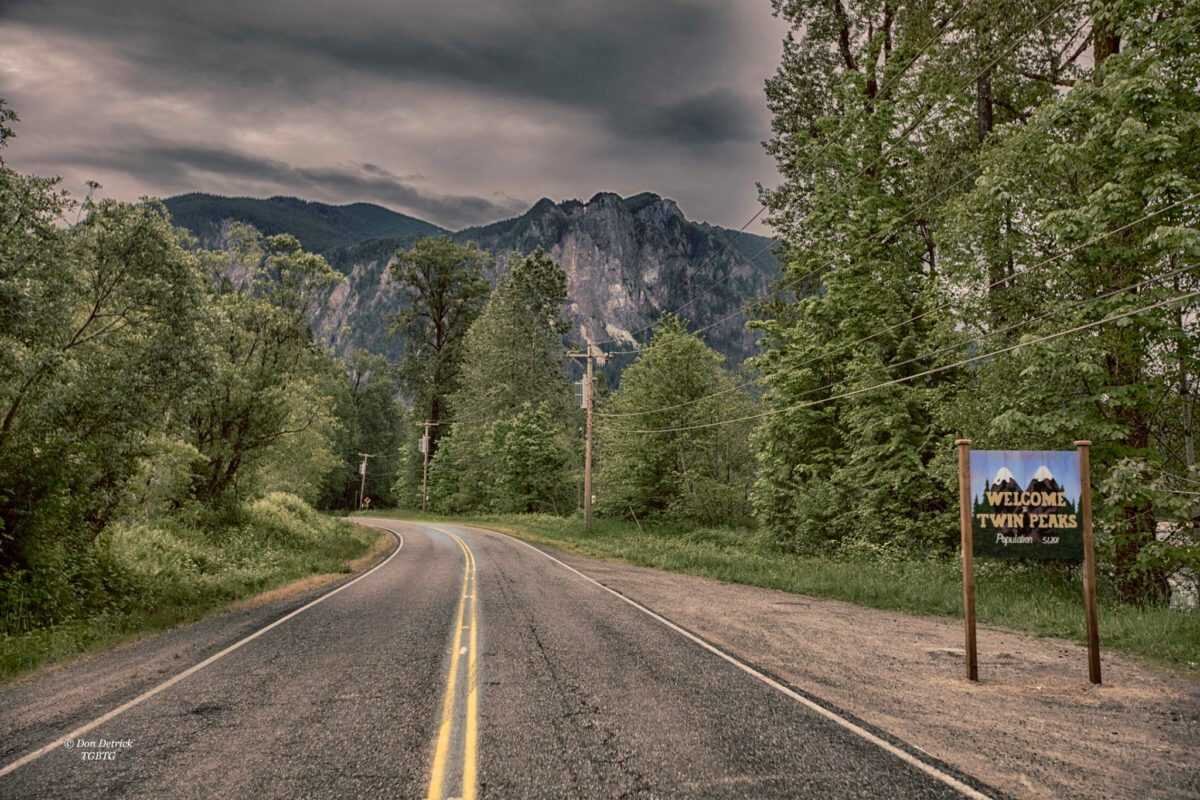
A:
1003,482
1053,501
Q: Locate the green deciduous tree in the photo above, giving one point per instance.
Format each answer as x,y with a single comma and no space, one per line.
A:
374,421
701,474
530,459
257,348
97,350
958,178
1106,176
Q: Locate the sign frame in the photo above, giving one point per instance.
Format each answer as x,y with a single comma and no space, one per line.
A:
967,531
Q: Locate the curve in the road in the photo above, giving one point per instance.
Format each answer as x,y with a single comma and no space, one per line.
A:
470,668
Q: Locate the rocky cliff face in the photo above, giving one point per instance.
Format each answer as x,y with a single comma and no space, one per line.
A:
628,261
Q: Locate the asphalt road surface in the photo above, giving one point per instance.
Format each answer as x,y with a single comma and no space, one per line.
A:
466,665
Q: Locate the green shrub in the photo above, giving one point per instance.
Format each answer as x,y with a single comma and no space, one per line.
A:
149,574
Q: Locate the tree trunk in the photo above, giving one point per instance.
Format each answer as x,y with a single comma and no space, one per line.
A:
1105,42
984,105
1135,583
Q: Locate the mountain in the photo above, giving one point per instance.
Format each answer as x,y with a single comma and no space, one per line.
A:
319,227
628,260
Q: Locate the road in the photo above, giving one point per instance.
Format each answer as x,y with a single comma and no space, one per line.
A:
467,664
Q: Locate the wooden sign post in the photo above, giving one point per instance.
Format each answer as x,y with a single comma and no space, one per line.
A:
1089,561
968,553
1029,505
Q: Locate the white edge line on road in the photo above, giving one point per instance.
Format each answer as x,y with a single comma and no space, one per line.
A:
167,684
858,730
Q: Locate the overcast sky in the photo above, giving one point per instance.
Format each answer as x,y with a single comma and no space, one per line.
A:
455,111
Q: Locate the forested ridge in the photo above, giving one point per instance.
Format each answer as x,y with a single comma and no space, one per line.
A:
987,221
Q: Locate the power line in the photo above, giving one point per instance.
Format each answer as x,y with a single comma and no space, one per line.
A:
1005,279
946,304
926,373
817,270
1016,42
788,283
924,356
1015,326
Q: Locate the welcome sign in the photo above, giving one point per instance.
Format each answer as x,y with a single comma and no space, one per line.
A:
1026,504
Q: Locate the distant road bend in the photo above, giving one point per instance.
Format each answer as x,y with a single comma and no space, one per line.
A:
465,665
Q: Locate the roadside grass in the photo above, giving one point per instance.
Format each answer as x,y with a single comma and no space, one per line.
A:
150,576
1030,598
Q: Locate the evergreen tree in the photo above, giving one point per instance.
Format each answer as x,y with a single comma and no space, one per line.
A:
445,288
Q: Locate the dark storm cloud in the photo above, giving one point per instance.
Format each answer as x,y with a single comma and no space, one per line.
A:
714,117
620,58
445,108
165,163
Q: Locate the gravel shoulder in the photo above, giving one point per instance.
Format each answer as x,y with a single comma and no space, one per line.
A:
1033,726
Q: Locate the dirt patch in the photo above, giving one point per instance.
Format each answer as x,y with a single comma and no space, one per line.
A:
1033,726
379,549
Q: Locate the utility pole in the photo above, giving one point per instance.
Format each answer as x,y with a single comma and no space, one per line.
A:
586,393
425,466
587,451
362,473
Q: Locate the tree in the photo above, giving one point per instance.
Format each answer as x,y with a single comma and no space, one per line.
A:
258,344
372,420
514,353
996,187
685,470
444,285
881,112
513,380
531,463
1099,180
95,353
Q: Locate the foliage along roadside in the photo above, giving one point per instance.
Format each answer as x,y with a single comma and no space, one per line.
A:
145,576
960,178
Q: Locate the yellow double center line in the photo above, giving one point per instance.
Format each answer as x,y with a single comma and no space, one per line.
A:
468,620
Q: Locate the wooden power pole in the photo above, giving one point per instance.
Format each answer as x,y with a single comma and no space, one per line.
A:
425,467
587,449
585,400
362,477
